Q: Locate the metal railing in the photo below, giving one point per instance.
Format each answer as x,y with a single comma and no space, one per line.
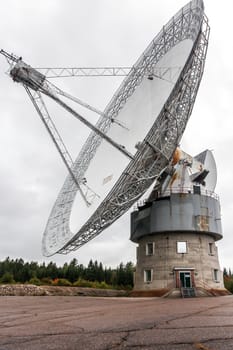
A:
187,190
177,190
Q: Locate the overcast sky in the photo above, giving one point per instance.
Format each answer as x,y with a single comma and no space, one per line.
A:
52,33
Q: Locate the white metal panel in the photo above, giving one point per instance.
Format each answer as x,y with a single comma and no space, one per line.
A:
138,102
138,115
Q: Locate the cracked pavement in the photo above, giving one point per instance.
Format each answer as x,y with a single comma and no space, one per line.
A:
73,323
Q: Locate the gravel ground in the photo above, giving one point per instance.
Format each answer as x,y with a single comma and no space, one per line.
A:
73,323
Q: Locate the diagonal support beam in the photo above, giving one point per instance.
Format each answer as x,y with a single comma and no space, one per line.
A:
116,145
54,134
31,78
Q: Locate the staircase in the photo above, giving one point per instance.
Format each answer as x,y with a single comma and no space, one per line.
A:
188,292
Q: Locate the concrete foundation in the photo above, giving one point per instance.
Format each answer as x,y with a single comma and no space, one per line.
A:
197,267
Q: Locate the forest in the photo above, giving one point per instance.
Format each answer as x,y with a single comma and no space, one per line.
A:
228,279
94,275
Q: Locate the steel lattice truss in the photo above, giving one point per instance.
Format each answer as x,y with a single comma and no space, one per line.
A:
153,154
159,72
157,148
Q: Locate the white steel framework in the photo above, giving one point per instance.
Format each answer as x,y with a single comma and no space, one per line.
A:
155,151
165,134
158,72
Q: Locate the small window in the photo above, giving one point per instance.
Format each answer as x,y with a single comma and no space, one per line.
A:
148,275
196,189
211,248
181,247
150,248
216,275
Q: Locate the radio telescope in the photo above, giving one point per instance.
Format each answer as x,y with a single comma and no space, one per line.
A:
136,135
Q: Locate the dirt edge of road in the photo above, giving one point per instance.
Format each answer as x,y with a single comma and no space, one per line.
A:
33,290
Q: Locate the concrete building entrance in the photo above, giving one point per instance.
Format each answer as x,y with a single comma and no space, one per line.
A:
185,279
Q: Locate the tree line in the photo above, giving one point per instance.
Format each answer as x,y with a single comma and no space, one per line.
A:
227,272
73,273
228,279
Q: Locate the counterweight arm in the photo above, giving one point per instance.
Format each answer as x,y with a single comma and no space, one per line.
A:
164,73
33,79
54,134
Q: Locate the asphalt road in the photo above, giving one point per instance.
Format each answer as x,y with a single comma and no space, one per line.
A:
73,323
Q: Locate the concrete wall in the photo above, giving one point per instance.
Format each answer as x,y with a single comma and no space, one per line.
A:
166,262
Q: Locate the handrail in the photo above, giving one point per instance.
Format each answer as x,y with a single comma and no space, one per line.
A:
186,190
177,190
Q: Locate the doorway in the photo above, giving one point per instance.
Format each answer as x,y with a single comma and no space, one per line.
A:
185,279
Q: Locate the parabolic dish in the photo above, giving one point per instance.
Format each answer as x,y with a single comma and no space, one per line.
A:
155,111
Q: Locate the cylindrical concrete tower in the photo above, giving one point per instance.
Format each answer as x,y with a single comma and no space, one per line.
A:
176,230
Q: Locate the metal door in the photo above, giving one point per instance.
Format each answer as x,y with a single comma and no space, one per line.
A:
185,279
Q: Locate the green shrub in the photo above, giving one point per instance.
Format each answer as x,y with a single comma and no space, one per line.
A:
83,283
103,285
46,281
228,282
35,281
89,284
7,278
62,282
